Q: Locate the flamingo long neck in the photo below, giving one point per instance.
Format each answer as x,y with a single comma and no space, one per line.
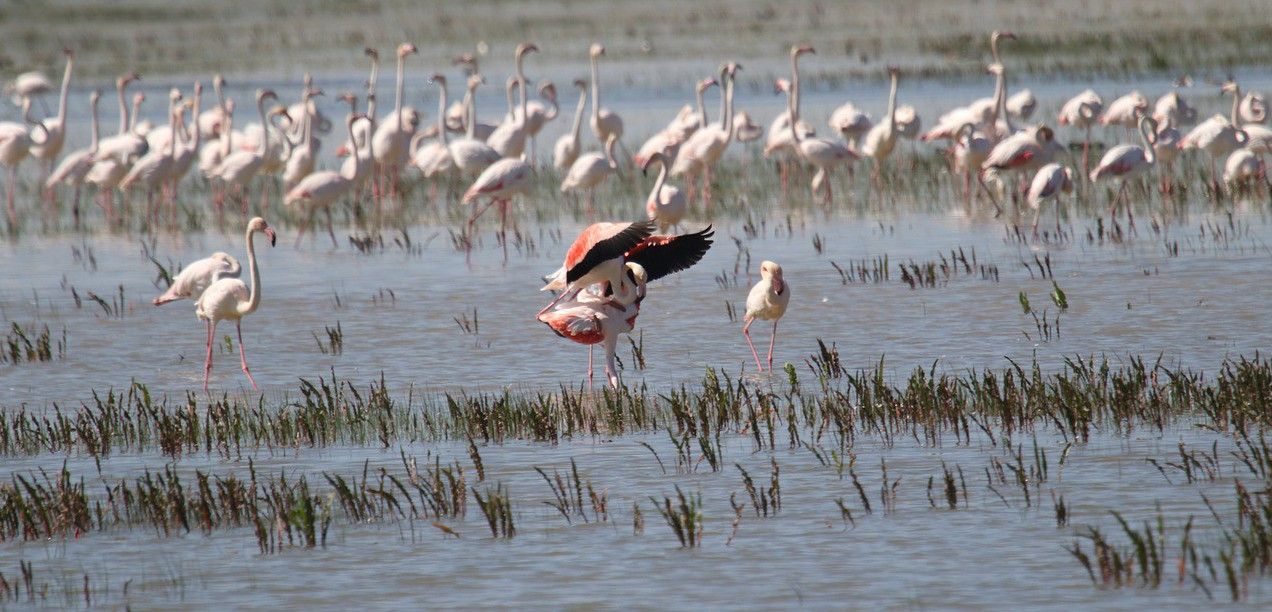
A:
521,79
508,87
66,90
265,125
371,86
892,106
470,99
793,110
728,110
92,147
993,48
656,194
194,122
353,168
173,127
1150,153
226,134
794,93
123,107
307,128
596,91
702,107
553,108
1000,100
401,91
441,114
609,152
578,117
136,110
724,95
254,298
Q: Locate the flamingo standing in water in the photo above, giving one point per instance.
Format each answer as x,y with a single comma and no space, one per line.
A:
509,139
780,140
699,154
666,203
882,138
195,278
1127,161
604,121
240,167
767,301
567,146
590,170
392,140
15,145
150,172
48,150
470,153
499,183
320,190
75,166
229,299
825,154
592,320
1051,181
1082,111
116,153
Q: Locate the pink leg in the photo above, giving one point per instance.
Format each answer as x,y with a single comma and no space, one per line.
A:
590,350
772,342
243,354
746,331
207,364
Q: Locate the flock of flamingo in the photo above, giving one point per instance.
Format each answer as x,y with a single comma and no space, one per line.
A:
603,279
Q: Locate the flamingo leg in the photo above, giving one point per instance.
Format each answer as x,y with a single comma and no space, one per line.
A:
611,371
13,180
472,222
590,349
243,354
309,220
772,343
330,231
503,227
75,208
746,331
207,363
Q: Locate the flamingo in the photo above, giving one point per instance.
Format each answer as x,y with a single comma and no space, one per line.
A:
116,153
48,150
391,142
780,140
591,320
322,189
15,145
228,299
154,167
1218,138
1081,111
1253,108
1171,109
882,138
195,278
767,301
850,122
457,112
304,154
699,154
665,204
509,139
590,170
1248,116
1126,161
474,128
982,112
1024,151
539,113
567,146
825,154
685,124
1125,111
971,149
604,121
746,129
1241,167
434,159
1166,147
601,250
471,154
240,167
75,165
306,109
211,122
28,85
1021,105
499,182
1049,183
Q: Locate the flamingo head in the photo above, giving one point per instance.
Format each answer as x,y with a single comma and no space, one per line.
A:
314,93
265,94
406,49
198,88
1000,35
596,50
781,86
95,96
371,53
525,48
637,274
465,59
656,156
547,89
174,95
127,78
799,50
772,272
476,81
139,98
994,69
258,224
438,78
1230,87
68,52
894,70
706,84
580,83
218,81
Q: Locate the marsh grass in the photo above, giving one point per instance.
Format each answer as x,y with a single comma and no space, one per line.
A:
24,345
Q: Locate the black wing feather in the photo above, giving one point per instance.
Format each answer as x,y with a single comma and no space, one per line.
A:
673,255
610,248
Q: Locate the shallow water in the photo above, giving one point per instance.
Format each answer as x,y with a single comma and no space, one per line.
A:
1125,298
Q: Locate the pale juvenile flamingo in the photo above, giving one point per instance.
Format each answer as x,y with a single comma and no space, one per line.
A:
321,189
568,145
195,278
509,139
391,142
1081,111
1126,161
228,299
745,129
304,154
669,140
46,152
604,121
589,171
15,145
780,141
591,320
824,154
698,155
851,123
1241,167
75,165
1049,183
882,138
767,301
239,167
499,183
666,203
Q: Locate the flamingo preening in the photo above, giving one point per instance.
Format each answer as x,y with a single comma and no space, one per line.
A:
1051,181
591,320
195,278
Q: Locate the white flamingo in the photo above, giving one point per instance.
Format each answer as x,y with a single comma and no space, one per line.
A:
567,146
666,203
1126,161
320,190
590,170
604,121
195,278
46,152
74,167
1051,181
239,167
391,143
229,299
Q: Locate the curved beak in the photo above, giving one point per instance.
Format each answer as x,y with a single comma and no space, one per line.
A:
273,238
